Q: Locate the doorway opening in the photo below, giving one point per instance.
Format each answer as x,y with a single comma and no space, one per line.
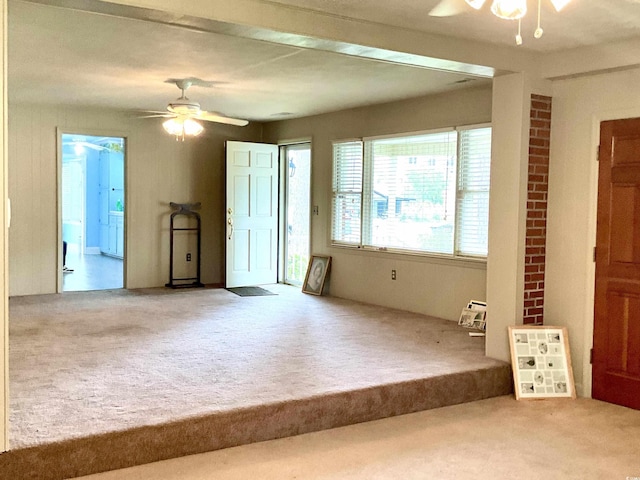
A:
92,220
297,234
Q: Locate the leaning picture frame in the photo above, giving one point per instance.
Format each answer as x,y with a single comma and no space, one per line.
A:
541,362
316,274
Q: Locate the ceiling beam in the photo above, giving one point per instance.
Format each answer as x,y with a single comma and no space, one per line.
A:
303,28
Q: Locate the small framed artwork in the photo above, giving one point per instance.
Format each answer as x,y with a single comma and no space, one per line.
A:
474,315
316,274
541,362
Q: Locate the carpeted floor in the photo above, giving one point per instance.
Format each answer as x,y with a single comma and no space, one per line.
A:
93,364
494,439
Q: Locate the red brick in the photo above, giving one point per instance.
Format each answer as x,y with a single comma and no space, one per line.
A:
536,178
536,196
539,142
543,98
540,123
542,134
531,268
539,159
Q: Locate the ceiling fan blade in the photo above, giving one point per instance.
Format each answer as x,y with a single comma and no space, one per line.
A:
215,117
448,8
158,115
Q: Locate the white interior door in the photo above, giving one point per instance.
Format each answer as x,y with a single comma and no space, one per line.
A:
251,214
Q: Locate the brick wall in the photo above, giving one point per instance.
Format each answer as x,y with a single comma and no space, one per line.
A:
536,236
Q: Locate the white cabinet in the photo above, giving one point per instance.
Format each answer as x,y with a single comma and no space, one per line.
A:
113,235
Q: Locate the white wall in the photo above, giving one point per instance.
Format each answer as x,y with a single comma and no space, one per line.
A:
579,105
429,286
158,170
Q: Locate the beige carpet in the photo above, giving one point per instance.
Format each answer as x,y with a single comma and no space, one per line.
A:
494,439
95,375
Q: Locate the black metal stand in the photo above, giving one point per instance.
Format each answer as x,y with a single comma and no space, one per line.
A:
186,209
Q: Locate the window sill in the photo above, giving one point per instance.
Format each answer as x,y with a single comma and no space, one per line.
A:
464,262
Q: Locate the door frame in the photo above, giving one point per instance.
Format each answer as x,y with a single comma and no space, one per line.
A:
283,206
596,119
90,132
5,214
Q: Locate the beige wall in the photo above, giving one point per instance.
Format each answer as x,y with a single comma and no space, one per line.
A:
158,170
424,285
579,105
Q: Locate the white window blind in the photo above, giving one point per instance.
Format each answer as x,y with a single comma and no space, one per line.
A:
424,193
347,192
474,163
410,191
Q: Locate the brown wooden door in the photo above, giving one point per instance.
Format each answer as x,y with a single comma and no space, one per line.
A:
616,352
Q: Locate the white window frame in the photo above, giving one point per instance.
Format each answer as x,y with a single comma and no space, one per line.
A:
365,207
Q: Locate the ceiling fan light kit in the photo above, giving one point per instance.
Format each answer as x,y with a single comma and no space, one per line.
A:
509,9
182,126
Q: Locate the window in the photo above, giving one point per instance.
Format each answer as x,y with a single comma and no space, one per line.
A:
426,193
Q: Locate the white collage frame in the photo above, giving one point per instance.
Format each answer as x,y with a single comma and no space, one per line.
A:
541,362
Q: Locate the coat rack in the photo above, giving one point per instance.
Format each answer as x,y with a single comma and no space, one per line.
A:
185,209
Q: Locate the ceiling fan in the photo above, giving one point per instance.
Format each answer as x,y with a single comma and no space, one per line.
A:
182,113
505,9
509,9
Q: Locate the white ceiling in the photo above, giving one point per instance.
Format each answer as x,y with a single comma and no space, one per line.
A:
78,58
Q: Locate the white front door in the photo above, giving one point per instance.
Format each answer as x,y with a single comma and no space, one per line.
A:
251,214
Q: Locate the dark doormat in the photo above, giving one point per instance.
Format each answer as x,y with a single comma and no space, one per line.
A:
250,291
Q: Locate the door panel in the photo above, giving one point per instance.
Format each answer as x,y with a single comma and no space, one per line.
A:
616,352
251,214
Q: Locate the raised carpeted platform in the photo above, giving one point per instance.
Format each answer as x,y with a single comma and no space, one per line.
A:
105,380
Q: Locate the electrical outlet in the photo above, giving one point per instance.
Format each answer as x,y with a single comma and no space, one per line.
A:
188,257
315,210
393,274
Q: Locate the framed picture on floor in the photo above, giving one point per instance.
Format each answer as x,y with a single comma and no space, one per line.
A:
316,274
541,362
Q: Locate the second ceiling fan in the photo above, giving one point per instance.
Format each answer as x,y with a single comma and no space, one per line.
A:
183,113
